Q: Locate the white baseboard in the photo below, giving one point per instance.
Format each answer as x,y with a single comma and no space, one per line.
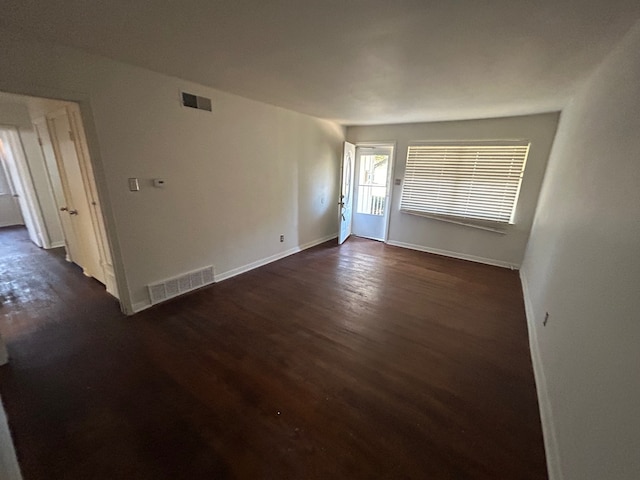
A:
546,415
461,256
273,258
219,277
57,244
11,224
140,306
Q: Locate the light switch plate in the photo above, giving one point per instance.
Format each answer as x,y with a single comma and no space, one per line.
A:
134,185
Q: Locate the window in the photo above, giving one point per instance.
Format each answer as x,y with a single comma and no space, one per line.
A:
372,184
475,181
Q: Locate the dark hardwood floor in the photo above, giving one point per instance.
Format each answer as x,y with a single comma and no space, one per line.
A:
355,362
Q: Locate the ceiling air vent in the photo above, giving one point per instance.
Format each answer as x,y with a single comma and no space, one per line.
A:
195,101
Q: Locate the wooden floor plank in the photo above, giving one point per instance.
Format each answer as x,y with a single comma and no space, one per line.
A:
358,361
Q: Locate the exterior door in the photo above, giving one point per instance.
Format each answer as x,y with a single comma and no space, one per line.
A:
85,251
346,192
373,166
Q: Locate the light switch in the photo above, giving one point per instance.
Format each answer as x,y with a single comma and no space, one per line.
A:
134,186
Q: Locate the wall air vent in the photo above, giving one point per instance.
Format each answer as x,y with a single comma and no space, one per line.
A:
195,101
172,287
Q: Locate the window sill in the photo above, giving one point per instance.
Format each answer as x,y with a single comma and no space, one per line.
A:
495,227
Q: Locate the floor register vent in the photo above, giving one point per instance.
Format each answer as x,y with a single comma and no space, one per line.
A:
172,287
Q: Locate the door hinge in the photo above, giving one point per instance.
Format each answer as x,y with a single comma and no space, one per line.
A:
40,141
72,136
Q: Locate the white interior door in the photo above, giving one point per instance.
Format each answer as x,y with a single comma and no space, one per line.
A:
86,251
373,169
346,191
71,243
99,227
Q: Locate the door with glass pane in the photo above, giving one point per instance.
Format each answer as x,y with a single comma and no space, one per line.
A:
373,168
345,202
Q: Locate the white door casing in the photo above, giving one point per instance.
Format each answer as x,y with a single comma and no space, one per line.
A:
345,203
97,218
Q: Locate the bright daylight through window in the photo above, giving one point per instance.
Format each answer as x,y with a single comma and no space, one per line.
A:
479,182
372,184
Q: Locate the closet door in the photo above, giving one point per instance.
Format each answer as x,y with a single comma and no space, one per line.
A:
85,252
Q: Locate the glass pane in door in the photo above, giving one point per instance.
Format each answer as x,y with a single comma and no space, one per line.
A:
372,184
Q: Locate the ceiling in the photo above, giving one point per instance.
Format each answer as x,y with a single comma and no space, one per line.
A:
351,61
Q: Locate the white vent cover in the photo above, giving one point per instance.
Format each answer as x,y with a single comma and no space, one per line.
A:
172,287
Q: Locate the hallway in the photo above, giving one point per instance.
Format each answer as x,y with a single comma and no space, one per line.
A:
42,287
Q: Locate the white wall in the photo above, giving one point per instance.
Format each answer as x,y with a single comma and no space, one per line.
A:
236,178
18,115
9,468
458,240
583,267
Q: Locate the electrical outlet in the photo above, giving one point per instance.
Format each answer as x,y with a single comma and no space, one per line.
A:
546,319
281,238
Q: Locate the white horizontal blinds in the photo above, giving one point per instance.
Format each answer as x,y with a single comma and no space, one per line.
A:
463,180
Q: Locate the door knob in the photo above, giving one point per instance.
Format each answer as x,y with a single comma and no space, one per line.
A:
73,212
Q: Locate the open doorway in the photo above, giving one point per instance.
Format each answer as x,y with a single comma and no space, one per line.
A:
365,194
47,182
372,186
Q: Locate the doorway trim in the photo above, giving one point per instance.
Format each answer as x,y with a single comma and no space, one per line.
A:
97,166
392,144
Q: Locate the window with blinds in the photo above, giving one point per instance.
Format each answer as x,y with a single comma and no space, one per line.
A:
479,182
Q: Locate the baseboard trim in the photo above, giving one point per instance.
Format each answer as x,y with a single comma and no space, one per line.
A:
273,258
461,256
544,404
11,224
219,277
56,244
140,306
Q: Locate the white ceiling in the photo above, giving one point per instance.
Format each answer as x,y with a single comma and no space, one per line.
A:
352,61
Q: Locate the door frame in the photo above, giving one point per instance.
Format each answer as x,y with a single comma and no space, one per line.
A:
83,101
390,175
